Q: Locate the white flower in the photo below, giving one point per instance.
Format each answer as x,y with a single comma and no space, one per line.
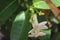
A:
37,27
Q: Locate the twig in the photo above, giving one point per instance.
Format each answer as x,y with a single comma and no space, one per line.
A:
47,17
54,9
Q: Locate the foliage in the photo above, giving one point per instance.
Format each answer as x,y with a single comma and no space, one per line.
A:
15,16
40,4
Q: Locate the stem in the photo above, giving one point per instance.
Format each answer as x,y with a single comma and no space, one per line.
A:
54,9
47,17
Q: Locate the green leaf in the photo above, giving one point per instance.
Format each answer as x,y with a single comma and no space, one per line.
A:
47,36
8,11
4,3
56,36
40,4
21,26
53,19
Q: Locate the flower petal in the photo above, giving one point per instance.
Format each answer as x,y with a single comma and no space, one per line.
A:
35,21
43,23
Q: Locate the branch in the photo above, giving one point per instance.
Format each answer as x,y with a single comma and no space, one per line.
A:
53,8
47,17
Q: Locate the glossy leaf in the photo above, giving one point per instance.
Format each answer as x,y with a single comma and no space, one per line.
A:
21,27
8,11
40,4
